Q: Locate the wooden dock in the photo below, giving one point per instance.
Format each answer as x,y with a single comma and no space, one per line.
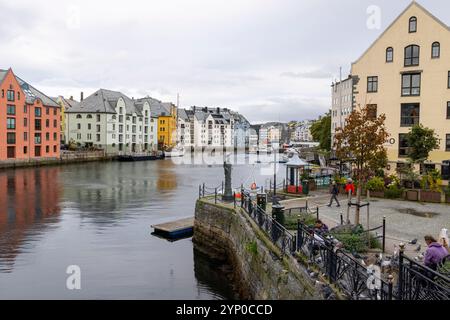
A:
175,229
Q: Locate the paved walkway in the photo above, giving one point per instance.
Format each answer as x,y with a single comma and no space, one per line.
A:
405,220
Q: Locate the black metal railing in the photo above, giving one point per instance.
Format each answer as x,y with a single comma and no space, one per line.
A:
354,279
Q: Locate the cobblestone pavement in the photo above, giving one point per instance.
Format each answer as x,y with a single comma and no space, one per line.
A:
405,220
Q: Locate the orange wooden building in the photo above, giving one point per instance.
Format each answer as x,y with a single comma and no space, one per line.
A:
30,121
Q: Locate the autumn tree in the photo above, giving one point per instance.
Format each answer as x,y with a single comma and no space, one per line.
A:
361,142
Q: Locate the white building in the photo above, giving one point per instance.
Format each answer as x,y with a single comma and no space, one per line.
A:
111,121
341,104
303,131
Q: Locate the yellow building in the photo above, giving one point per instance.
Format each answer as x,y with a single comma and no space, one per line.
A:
405,74
65,104
167,126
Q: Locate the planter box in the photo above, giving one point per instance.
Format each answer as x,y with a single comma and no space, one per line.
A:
412,195
430,196
447,198
377,194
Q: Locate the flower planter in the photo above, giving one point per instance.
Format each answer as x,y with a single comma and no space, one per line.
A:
430,196
377,194
412,195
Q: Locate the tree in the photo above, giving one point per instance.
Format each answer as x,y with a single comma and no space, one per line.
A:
361,141
421,141
321,131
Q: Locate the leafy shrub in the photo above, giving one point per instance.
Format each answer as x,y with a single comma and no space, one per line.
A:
375,184
357,241
393,191
431,181
252,247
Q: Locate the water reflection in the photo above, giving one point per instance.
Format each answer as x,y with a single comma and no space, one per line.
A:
28,198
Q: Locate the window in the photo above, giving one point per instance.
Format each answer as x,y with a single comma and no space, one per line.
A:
10,123
25,122
18,95
37,124
55,123
11,152
47,136
389,54
98,118
435,50
98,137
54,148
37,112
447,142
55,111
410,113
89,126
448,80
79,126
448,109
372,110
25,150
89,116
10,95
47,123
11,138
426,167
98,128
37,151
25,136
79,116
411,84
412,25
372,84
412,54
25,110
47,149
10,110
403,148
47,111
37,138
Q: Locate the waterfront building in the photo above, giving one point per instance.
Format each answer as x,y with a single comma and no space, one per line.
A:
341,104
111,121
30,121
65,104
405,74
198,128
302,132
167,126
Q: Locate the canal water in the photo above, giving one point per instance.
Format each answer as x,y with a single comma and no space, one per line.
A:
97,216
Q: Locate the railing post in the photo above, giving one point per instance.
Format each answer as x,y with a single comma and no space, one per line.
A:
222,188
400,271
342,221
215,195
199,191
203,189
317,212
234,199
242,197
390,286
384,233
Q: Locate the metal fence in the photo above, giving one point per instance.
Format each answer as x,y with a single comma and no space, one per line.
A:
356,280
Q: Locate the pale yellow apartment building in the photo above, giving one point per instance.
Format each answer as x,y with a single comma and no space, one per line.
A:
405,74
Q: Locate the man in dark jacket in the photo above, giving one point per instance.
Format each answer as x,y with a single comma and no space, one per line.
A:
334,193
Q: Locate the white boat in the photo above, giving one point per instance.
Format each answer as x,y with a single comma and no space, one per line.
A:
177,151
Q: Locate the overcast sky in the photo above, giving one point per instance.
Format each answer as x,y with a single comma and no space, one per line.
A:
269,59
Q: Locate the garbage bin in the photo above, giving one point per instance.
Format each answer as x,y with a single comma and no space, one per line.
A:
278,216
261,200
305,187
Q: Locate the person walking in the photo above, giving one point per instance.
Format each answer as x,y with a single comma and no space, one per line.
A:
334,194
435,253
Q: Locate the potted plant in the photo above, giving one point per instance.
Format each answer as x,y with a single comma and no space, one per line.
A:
376,187
431,187
447,194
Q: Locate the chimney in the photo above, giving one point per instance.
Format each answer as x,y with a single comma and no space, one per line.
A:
81,96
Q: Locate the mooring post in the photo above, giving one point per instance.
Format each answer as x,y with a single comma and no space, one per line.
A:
384,234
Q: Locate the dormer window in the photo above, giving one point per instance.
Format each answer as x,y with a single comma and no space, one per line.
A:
389,54
412,25
435,50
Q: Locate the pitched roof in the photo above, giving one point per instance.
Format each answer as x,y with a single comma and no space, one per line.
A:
413,3
31,93
68,103
182,114
157,108
105,101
